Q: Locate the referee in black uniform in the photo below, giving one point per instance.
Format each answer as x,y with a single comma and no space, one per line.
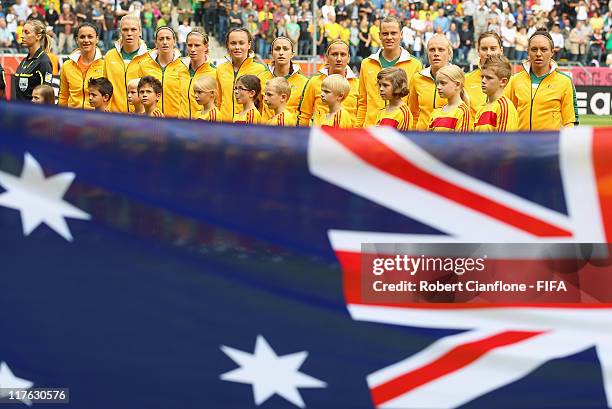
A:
36,68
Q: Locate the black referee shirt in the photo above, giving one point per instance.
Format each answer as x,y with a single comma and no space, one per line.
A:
31,73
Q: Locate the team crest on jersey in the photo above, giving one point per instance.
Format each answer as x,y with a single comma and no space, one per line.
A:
48,77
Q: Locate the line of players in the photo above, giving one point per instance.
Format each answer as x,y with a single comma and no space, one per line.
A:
393,89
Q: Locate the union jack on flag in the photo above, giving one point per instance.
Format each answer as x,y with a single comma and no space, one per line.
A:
500,344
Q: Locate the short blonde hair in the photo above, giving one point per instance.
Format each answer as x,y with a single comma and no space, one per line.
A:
337,84
449,46
280,85
206,83
133,83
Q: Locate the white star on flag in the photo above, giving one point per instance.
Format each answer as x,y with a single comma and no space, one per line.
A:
39,199
271,374
10,381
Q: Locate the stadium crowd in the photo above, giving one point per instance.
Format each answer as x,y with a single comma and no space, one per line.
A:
581,29
144,71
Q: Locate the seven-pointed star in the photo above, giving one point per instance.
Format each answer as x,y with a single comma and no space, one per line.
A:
39,199
10,381
269,373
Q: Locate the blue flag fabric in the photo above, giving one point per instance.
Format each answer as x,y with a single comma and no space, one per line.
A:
197,241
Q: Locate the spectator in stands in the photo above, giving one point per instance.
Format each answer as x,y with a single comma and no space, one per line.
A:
82,65
453,37
35,69
183,30
196,65
544,97
121,63
235,17
597,46
6,37
489,43
148,24
222,18
22,10
239,45
337,59
466,38
266,30
282,66
108,27
304,21
424,97
578,39
508,35
558,42
164,63
293,31
481,18
521,44
392,55
66,22
364,38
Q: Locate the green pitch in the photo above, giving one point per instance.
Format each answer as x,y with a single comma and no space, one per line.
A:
596,120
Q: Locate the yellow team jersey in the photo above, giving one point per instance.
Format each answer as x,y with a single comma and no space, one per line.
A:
170,77
341,119
250,117
285,118
458,119
497,116
473,87
549,105
296,80
211,116
311,104
226,80
423,98
399,118
120,72
74,83
369,100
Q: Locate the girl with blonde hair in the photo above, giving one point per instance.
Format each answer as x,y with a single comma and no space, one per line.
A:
205,93
455,115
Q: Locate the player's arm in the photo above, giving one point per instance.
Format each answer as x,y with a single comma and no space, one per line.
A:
362,99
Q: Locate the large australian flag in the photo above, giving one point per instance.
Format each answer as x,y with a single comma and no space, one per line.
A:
170,264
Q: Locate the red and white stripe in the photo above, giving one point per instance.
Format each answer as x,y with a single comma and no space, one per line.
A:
387,168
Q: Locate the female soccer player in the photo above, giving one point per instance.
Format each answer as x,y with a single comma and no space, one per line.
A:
248,94
83,64
338,56
195,66
121,64
544,97
423,97
282,66
454,116
239,43
489,43
35,69
164,63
